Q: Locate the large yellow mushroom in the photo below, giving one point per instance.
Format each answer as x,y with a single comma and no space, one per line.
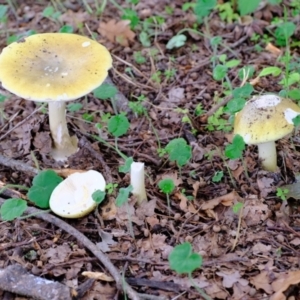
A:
54,68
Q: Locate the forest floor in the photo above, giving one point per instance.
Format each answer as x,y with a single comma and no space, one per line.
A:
251,251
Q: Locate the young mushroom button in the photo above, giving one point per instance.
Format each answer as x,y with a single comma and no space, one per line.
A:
263,120
54,68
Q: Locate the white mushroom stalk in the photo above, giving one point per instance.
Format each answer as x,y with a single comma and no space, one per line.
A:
137,181
267,153
64,145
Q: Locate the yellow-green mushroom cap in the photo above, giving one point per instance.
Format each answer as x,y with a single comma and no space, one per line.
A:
264,120
54,66
72,198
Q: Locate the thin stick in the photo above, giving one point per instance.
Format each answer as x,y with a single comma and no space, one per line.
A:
17,165
120,282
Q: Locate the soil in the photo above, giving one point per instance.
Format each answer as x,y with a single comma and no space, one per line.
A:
250,254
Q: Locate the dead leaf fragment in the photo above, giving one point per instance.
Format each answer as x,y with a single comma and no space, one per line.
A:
262,281
226,200
98,276
283,282
117,32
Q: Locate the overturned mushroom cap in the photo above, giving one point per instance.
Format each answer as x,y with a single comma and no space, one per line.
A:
53,66
266,118
72,198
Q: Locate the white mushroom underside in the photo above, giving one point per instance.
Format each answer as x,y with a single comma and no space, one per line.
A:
72,198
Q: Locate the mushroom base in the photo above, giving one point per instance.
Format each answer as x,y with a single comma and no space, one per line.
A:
62,152
267,153
64,145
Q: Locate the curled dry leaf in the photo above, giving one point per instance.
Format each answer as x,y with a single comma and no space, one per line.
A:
117,32
98,276
226,200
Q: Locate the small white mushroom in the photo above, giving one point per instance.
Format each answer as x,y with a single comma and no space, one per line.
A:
137,181
72,198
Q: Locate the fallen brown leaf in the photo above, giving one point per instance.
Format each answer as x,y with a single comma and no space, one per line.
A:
283,282
118,32
98,276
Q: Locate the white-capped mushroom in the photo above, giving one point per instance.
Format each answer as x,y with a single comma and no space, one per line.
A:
72,198
264,120
54,68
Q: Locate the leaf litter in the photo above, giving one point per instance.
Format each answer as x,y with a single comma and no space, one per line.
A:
265,261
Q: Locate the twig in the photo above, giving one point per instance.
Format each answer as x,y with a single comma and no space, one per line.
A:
15,245
22,122
217,106
17,165
16,279
206,61
40,214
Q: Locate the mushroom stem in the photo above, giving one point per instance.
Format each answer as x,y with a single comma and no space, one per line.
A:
64,145
137,181
267,153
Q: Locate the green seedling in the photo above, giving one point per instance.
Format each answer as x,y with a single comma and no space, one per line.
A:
218,176
122,199
183,260
237,207
74,107
107,91
12,209
66,29
127,165
179,151
110,188
167,186
235,150
50,13
43,185
203,8
98,196
283,32
3,14
282,193
118,125
139,57
137,106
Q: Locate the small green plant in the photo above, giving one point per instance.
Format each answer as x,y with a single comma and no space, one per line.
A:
107,91
98,196
139,57
12,209
282,193
237,207
122,199
110,188
236,148
167,186
183,260
42,187
50,13
39,193
218,176
179,151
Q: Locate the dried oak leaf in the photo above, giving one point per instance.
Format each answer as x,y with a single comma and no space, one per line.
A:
118,32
